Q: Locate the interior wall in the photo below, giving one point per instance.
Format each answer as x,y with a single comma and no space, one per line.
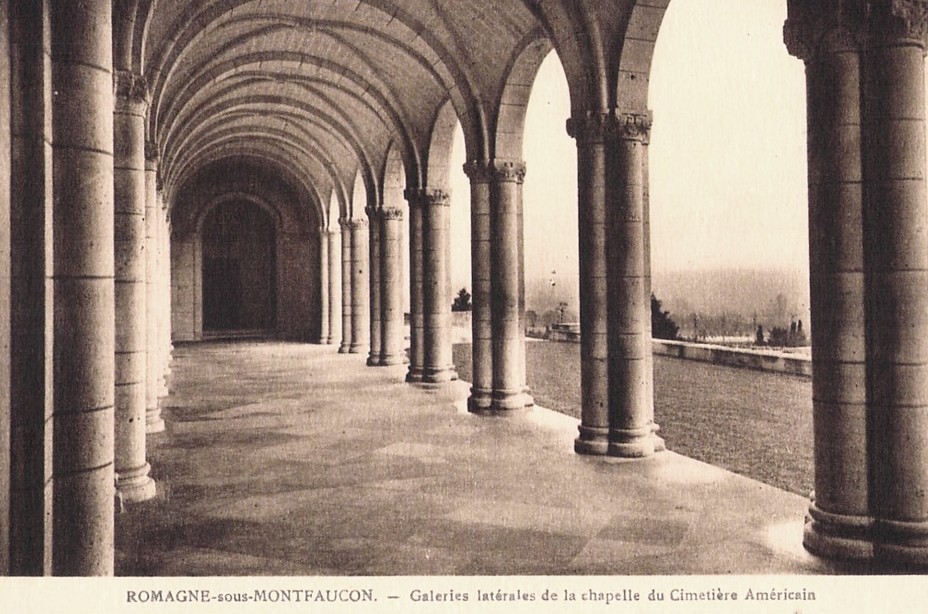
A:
297,299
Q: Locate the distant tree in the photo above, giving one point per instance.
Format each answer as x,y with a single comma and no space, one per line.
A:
461,301
561,312
662,326
531,316
779,337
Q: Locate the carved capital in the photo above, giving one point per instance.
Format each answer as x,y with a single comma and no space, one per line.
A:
344,223
357,224
436,198
392,213
608,126
478,171
807,38
633,126
413,196
510,171
130,88
903,21
591,127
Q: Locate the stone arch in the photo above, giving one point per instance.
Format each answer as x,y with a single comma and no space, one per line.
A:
359,196
510,118
438,173
635,52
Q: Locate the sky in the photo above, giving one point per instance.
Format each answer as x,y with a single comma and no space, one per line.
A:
727,154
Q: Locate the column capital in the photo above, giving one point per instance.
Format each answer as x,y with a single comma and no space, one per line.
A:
371,212
356,224
507,171
607,126
478,171
807,36
391,213
436,198
131,89
420,197
901,21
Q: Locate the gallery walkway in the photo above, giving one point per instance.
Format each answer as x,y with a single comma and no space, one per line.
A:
290,459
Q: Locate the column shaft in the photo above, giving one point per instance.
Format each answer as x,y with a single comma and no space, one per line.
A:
31,411
481,391
84,306
631,413
896,268
132,480
391,292
165,345
346,288
360,282
436,301
6,297
374,266
154,423
839,512
507,295
416,335
323,286
335,285
590,133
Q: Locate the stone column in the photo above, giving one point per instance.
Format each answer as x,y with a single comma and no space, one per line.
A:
391,292
323,286
335,285
31,260
896,268
590,132
481,391
154,423
165,343
416,334
132,480
631,432
360,281
84,305
346,286
507,295
374,315
436,300
839,514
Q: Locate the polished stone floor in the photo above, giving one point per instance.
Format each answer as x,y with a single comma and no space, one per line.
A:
290,459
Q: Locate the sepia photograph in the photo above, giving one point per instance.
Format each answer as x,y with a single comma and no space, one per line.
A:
463,306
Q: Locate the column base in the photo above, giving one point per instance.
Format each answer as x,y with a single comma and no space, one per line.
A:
135,485
344,348
324,341
373,360
592,441
479,400
414,375
438,376
838,536
154,423
391,360
508,400
359,348
632,443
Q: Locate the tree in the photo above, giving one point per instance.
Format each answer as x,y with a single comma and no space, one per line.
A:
461,301
662,326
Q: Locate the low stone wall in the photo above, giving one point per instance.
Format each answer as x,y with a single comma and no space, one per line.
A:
760,360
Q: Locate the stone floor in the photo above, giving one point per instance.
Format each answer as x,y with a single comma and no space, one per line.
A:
289,459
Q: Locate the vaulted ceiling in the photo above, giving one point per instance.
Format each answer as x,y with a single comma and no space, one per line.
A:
321,90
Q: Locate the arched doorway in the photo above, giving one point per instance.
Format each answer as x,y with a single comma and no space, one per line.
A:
239,270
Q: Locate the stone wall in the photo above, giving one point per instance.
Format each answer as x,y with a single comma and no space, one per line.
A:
760,360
